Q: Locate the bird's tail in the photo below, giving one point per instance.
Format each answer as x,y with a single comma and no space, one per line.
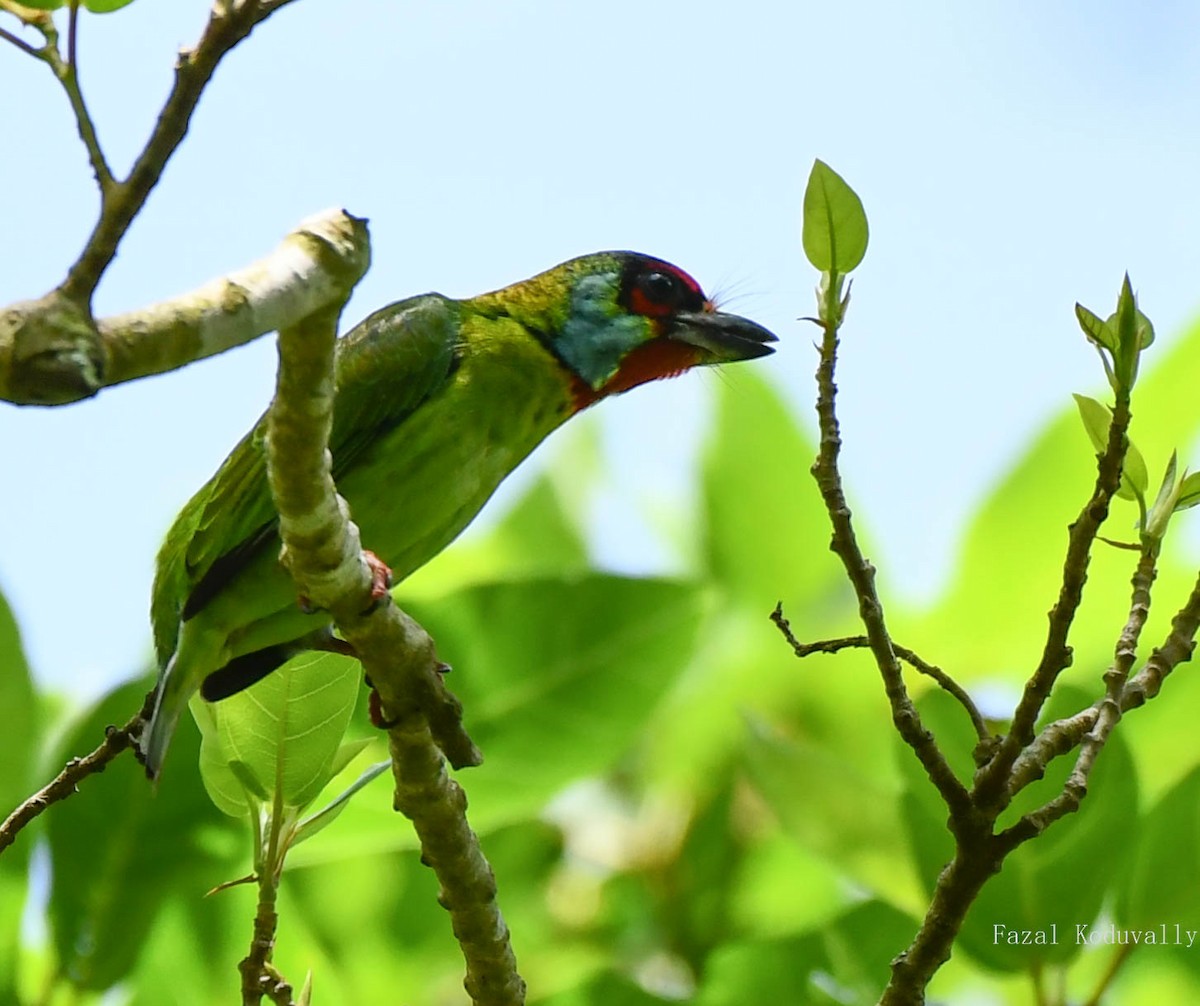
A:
185,670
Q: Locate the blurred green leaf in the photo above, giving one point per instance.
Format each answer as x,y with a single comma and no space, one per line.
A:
1162,872
118,849
104,6
835,224
558,675
767,543
20,717
846,962
44,4
822,800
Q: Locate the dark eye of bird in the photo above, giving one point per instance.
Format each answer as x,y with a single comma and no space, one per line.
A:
659,287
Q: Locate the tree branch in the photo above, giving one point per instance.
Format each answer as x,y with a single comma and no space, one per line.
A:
862,577
990,785
314,266
322,550
51,351
66,783
228,25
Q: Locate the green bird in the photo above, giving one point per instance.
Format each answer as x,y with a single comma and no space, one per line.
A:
437,401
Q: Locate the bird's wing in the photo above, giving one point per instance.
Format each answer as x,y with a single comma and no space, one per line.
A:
386,367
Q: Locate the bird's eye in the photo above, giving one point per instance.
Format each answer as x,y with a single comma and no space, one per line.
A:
659,287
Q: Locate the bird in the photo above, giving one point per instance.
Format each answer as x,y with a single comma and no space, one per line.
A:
437,400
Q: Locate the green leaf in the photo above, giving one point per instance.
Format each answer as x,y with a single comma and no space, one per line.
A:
558,675
1163,871
280,736
44,4
1189,492
118,849
20,717
758,546
835,225
105,6
1097,418
326,815
827,805
1095,328
845,962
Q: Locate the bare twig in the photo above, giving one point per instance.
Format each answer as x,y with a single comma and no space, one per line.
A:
227,26
990,786
862,577
322,550
66,783
20,43
259,976
944,680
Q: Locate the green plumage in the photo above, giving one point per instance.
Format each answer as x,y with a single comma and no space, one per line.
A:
437,401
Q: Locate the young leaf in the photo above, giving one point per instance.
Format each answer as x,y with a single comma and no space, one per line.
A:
835,225
1097,418
1096,329
1189,492
105,6
325,816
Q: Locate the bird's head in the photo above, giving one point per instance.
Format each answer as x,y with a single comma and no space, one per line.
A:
618,319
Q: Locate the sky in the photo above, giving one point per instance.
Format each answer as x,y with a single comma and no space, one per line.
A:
1013,158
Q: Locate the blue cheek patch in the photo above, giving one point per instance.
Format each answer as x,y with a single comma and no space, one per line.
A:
598,334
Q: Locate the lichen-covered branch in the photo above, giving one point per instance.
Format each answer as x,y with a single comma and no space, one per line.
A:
322,550
313,266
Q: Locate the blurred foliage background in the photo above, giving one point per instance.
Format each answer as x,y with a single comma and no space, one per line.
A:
676,808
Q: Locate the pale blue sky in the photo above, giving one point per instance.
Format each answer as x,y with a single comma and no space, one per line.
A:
1013,158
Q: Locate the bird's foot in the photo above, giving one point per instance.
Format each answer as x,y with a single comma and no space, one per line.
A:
381,581
381,578
375,704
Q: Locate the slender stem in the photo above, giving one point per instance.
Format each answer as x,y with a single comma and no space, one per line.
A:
990,788
944,680
20,43
65,784
862,577
1115,963
227,26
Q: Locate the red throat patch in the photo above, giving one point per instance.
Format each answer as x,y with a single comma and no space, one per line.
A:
650,361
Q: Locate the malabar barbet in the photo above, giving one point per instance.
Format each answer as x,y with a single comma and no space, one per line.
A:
437,401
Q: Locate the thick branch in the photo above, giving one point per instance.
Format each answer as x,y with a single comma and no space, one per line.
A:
322,550
42,358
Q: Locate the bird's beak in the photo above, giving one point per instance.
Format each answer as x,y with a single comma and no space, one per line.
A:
723,336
